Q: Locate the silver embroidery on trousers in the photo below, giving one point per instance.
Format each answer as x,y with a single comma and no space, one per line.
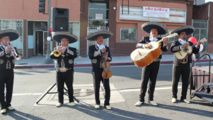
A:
8,65
62,63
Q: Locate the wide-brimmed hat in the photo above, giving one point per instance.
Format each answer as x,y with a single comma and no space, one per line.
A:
93,36
13,34
154,25
188,29
59,35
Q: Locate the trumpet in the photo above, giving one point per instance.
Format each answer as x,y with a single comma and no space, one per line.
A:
57,53
14,53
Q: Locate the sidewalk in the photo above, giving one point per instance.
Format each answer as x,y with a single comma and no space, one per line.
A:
38,61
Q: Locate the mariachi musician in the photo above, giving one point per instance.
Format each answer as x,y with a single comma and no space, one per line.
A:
98,53
64,58
150,72
182,67
8,54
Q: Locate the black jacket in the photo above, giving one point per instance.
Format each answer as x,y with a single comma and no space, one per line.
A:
97,57
68,56
175,47
7,61
145,40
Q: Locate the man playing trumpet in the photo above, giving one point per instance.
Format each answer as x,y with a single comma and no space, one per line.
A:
7,62
64,57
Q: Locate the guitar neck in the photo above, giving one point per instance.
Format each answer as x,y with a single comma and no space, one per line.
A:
168,36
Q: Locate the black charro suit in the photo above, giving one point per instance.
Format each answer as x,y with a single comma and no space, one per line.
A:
65,60
97,58
181,68
7,62
149,72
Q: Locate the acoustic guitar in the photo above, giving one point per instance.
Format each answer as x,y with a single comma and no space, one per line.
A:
142,57
183,53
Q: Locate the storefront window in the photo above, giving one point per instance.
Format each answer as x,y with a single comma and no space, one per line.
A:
98,14
201,30
128,34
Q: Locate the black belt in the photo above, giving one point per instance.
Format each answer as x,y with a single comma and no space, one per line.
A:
184,61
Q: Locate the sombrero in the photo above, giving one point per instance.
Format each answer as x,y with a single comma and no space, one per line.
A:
13,34
151,25
188,29
93,36
59,35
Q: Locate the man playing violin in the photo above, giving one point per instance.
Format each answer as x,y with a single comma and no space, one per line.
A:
182,67
64,57
7,62
98,53
150,72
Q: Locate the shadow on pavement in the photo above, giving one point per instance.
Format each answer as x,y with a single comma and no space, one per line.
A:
188,110
17,115
115,113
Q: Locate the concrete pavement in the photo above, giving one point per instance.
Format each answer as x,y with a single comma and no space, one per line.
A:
30,84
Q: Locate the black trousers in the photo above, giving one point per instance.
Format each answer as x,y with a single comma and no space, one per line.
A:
6,79
65,77
149,72
97,78
182,70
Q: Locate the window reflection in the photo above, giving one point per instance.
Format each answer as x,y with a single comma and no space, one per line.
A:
128,34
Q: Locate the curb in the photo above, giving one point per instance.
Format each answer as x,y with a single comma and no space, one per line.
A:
83,65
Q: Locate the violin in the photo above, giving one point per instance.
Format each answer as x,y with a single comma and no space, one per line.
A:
106,74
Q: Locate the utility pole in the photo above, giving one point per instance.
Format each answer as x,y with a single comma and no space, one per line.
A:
48,60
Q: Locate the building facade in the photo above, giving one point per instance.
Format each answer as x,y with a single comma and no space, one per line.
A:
125,17
203,23
23,15
122,17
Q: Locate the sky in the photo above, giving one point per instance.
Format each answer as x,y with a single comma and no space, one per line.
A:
208,0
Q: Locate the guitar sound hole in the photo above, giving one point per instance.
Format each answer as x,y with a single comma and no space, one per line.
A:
185,50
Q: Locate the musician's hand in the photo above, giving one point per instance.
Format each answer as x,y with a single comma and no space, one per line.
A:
198,43
185,45
63,50
13,50
58,47
148,46
103,50
105,58
8,48
164,41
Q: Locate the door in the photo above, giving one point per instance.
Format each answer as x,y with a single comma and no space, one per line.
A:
39,43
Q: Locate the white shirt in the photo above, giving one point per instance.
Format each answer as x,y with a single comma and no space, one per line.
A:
153,39
101,46
4,48
182,41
